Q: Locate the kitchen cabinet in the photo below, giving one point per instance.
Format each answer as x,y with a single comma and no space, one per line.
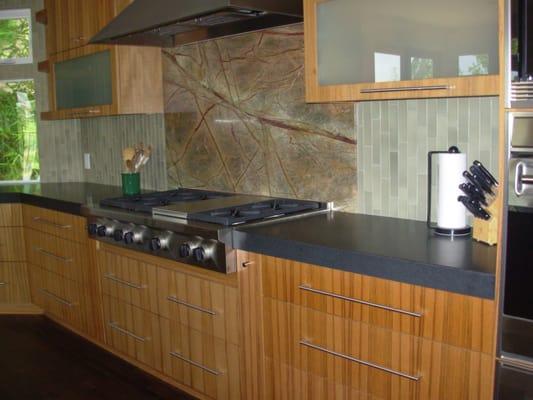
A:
93,81
62,299
14,284
180,322
72,23
132,331
363,50
324,333
60,268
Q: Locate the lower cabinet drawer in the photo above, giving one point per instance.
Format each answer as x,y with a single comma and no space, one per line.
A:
62,257
204,305
315,355
67,226
14,285
128,280
347,353
12,244
203,362
59,297
132,331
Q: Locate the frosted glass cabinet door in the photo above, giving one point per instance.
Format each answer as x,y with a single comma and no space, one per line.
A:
387,41
84,81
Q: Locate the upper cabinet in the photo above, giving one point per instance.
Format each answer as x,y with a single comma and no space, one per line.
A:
389,49
95,80
71,23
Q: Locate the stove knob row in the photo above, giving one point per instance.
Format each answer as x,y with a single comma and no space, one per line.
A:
197,248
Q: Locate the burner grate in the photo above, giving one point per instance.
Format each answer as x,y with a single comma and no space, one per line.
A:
145,202
255,211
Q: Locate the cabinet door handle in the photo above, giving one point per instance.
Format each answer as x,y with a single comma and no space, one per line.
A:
308,288
52,255
407,89
309,344
197,308
46,222
117,327
189,361
57,298
113,278
92,111
3,284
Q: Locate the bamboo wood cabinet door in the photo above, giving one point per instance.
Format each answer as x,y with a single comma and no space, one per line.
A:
14,285
363,50
330,334
14,282
71,23
61,298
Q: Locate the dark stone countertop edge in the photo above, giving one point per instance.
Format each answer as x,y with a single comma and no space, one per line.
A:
40,200
440,277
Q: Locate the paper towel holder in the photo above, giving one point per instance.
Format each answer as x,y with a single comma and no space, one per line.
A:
466,231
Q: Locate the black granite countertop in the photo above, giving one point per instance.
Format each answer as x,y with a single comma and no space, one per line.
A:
66,197
389,248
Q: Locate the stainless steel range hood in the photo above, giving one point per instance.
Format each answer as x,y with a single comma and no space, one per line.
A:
169,23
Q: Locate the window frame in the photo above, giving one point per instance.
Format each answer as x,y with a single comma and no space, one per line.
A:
15,14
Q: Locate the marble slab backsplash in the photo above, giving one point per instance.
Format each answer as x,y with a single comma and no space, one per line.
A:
236,120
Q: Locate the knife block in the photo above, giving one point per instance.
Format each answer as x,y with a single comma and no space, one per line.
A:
487,231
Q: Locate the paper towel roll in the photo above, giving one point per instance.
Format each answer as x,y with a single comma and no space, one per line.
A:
451,214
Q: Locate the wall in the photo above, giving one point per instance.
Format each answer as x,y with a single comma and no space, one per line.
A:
236,120
394,138
59,141
105,137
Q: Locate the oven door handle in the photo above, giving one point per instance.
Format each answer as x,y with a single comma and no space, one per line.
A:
522,178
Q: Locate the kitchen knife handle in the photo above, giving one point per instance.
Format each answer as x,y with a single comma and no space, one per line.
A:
486,172
482,179
474,208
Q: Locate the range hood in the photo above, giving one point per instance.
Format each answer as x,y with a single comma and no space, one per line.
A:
170,23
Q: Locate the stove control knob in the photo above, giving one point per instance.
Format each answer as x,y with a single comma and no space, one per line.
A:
93,229
101,230
141,234
155,244
184,250
118,235
199,254
128,238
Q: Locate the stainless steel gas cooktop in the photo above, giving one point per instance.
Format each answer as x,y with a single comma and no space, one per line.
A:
189,225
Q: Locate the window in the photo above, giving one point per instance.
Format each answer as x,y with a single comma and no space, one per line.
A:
386,67
15,37
19,158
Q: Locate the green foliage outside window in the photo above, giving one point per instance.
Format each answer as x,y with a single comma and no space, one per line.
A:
19,158
14,38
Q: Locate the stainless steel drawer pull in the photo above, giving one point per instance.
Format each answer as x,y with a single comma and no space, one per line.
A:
117,327
407,89
57,298
113,278
46,222
48,254
307,343
211,371
183,303
366,303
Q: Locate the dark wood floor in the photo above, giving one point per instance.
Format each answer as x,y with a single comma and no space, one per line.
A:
41,360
